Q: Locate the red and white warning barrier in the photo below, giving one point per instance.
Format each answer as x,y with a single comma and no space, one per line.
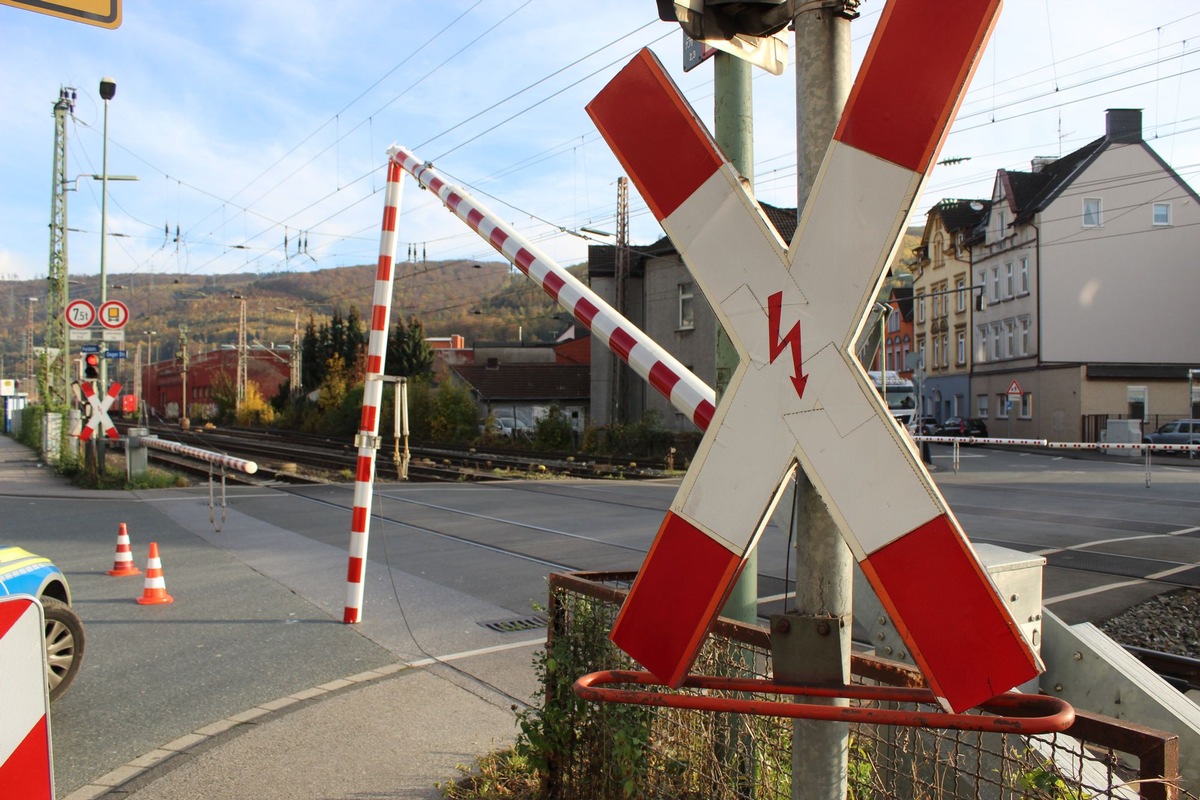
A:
799,396
645,356
367,440
220,459
26,767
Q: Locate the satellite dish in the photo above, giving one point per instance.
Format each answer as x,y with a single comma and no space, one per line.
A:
976,205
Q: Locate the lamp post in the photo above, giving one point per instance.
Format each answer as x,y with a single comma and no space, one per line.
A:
108,89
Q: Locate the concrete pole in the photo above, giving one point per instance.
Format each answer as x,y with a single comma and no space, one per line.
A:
733,119
824,564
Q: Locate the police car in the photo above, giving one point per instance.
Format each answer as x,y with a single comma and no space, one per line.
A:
22,572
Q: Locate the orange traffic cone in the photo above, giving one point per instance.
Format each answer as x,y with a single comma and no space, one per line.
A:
155,591
123,563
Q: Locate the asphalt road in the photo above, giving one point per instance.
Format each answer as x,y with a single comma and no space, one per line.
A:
259,602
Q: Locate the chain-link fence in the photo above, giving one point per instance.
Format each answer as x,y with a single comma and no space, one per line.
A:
608,750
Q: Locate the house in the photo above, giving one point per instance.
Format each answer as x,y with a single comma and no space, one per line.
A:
525,391
943,298
1088,269
163,382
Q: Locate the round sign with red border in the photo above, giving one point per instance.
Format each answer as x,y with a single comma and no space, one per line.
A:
80,314
114,314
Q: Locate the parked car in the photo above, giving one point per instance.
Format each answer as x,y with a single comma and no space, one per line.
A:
925,426
1180,431
22,572
968,427
507,427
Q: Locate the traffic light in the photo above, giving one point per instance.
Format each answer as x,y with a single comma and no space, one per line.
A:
91,366
725,19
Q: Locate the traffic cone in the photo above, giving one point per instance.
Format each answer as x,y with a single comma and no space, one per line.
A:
123,563
155,591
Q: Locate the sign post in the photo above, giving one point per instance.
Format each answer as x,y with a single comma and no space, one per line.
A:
1014,393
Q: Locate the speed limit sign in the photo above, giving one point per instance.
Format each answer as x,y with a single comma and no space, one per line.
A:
80,314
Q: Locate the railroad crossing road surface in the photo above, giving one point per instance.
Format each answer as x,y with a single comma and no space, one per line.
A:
251,672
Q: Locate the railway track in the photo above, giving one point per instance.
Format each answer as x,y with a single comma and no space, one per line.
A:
291,456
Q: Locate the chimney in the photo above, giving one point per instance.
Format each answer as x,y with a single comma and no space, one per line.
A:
1039,163
1124,125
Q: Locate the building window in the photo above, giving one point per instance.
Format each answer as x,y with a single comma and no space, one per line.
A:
945,350
1010,331
1008,280
981,406
1027,405
997,342
937,352
1026,326
921,307
981,344
1162,213
687,314
939,251
1001,406
1024,275
961,341
1091,212
921,351
996,284
893,321
960,286
1001,225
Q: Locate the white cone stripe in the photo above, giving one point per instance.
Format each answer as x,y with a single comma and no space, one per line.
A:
22,653
156,583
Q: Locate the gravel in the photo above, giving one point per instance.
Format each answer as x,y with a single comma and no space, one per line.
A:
1169,623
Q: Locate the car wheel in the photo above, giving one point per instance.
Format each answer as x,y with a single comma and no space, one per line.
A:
64,645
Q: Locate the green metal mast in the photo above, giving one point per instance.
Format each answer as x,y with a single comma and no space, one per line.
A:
54,378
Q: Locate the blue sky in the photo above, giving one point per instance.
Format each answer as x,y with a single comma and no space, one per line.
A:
252,124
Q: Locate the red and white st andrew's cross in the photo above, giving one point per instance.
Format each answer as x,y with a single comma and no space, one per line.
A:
799,395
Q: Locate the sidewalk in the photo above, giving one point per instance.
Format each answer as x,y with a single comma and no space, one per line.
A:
393,732
376,735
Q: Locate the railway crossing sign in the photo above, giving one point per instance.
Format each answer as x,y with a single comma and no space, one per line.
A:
99,419
800,398
26,766
80,314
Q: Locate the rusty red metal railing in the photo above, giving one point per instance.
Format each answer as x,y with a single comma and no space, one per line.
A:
1113,758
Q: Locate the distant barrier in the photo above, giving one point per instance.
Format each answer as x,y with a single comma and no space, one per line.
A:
218,459
1142,449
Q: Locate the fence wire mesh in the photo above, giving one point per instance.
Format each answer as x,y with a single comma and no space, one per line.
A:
599,751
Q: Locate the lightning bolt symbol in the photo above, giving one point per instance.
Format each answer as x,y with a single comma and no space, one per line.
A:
790,339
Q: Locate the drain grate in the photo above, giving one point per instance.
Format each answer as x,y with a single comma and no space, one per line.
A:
514,625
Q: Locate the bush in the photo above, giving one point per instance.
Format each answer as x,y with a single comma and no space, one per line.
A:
554,431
